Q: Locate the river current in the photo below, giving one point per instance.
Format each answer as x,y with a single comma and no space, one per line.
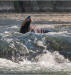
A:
30,53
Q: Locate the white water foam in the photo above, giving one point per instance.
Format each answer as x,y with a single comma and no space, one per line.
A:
46,62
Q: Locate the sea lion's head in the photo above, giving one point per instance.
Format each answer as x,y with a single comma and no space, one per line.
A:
28,19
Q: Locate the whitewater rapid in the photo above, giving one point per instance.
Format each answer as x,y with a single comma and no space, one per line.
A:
35,52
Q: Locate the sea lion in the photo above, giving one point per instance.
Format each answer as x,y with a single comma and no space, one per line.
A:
25,27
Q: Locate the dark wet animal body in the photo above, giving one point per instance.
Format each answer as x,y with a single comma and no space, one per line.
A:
26,27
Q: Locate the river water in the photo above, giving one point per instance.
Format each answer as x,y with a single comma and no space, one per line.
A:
35,53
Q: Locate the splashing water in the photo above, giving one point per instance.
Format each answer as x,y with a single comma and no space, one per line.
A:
34,52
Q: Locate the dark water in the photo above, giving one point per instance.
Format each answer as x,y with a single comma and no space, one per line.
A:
57,73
